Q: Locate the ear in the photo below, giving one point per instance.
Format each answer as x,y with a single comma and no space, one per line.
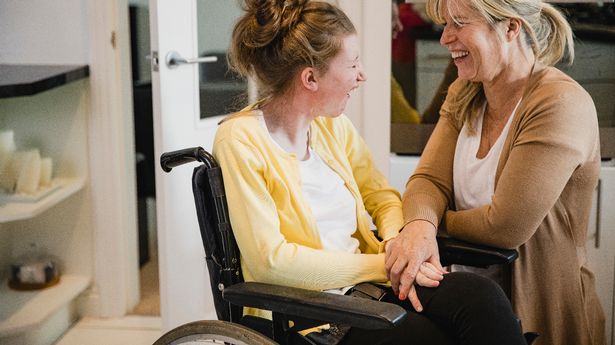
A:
308,79
513,28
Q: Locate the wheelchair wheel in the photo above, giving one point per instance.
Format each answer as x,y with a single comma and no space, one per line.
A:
213,332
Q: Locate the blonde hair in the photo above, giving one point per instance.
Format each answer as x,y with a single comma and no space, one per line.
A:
546,31
274,39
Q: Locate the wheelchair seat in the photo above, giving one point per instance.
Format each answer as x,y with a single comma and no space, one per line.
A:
293,309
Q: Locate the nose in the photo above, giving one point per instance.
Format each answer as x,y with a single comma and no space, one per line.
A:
361,76
448,36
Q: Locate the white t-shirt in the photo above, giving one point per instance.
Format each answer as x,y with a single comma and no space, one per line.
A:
474,183
332,204
474,178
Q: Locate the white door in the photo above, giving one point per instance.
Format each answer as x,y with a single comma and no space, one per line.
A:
184,284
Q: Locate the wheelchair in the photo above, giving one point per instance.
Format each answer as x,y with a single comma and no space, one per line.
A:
293,309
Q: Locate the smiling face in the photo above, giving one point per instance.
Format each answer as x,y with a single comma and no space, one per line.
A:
343,76
477,48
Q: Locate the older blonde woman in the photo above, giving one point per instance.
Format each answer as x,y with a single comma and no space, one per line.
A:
512,163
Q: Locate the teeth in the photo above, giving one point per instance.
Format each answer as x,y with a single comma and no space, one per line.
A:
458,54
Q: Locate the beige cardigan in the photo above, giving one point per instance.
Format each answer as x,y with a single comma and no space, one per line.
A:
545,178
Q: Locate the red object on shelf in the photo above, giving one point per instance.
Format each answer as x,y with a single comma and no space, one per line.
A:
403,46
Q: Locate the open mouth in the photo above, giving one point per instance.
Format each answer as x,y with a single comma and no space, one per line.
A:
351,91
459,54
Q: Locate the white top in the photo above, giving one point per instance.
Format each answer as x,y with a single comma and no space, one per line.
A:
474,178
332,204
474,184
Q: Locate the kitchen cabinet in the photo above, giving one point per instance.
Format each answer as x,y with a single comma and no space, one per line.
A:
600,243
46,107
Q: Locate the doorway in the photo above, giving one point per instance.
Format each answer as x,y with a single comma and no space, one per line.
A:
149,303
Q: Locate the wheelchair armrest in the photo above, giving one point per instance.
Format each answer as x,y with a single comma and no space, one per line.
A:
453,251
316,305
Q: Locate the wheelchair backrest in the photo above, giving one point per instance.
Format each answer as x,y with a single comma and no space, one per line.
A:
221,252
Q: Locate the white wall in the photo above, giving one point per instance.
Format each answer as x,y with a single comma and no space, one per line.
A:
369,108
44,32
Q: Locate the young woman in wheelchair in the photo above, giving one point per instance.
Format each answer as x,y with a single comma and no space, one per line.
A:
300,182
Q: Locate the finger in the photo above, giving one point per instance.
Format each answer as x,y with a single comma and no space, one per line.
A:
389,260
414,300
425,281
396,274
430,271
406,283
390,256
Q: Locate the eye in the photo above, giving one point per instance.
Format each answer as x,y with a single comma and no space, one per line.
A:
456,24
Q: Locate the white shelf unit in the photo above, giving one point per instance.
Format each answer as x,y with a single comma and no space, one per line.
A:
39,316
13,211
58,224
26,316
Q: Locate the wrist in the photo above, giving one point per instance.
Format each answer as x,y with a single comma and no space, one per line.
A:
421,225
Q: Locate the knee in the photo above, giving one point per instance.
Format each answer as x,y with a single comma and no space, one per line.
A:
477,293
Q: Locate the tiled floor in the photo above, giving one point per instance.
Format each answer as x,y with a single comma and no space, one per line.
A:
129,330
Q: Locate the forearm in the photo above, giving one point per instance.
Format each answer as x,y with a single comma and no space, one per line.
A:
298,266
429,191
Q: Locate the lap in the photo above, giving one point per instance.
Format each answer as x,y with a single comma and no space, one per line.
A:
464,303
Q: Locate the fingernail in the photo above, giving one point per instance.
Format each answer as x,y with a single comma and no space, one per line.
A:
419,309
402,297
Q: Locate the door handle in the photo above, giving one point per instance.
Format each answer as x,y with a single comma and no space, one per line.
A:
598,214
174,59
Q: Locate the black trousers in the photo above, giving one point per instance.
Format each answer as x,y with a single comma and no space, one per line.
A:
464,309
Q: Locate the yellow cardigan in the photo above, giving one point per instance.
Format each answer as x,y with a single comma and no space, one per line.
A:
272,222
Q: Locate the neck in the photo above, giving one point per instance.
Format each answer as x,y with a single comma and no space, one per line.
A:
509,85
288,124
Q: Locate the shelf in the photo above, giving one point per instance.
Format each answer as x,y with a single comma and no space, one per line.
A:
13,211
27,80
20,311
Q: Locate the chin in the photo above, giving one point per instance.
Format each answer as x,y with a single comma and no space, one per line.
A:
464,76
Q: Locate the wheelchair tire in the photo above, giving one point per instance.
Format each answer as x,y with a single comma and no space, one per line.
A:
213,332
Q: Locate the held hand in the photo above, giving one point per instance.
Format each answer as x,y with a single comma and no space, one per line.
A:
429,275
405,254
